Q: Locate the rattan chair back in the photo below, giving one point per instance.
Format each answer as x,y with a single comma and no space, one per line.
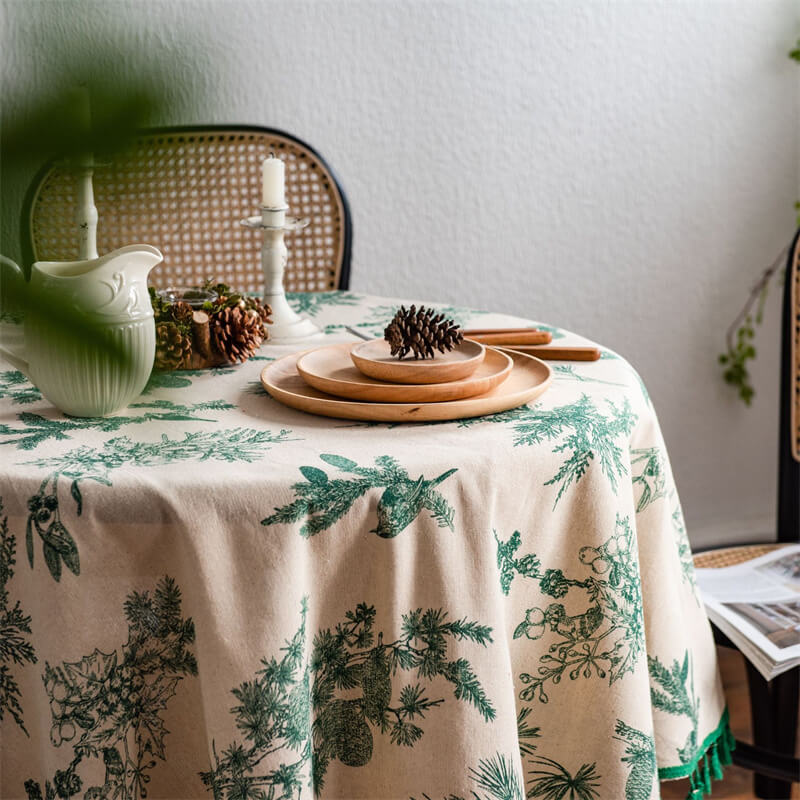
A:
184,190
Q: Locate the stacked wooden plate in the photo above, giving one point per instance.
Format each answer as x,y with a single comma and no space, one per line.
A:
363,381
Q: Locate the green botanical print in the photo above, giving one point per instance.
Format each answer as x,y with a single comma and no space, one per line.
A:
640,754
526,732
92,464
109,705
684,548
556,333
311,303
181,378
495,778
580,429
568,372
648,475
37,429
607,637
321,501
14,385
346,687
675,695
15,627
552,781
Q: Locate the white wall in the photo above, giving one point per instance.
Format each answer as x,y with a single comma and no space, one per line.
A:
619,168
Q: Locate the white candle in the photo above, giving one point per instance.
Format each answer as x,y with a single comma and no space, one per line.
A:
273,183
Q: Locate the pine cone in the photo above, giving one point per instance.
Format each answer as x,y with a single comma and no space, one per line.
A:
182,312
419,332
237,332
173,347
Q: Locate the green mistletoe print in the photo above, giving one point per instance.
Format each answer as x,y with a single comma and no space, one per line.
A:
674,694
15,628
321,501
90,464
14,385
607,637
38,429
580,429
108,706
640,754
649,475
495,779
329,707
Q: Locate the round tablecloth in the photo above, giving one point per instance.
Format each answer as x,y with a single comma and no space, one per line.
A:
210,594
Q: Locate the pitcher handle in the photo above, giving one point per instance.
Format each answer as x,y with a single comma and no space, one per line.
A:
16,360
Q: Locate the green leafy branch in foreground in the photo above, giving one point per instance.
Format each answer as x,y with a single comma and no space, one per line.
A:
322,501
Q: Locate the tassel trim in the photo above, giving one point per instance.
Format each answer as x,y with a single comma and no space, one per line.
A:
707,765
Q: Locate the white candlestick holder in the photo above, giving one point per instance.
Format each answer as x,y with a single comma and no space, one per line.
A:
287,326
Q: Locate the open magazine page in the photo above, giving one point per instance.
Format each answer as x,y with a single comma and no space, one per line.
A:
757,604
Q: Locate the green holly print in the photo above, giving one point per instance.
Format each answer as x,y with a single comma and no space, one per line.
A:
15,628
580,429
675,695
311,303
648,475
109,705
321,501
640,754
607,637
38,429
14,385
329,707
90,464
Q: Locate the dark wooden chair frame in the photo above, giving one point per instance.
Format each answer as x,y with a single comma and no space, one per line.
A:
26,237
774,704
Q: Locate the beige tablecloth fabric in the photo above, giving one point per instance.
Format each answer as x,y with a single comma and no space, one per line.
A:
229,598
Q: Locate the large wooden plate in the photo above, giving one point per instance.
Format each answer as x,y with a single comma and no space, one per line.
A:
330,369
375,360
528,379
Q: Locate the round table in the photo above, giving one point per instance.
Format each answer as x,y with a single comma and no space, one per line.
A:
210,594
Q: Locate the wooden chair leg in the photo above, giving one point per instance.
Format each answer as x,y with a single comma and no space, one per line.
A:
774,712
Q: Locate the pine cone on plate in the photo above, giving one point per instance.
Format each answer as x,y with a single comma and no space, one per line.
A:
173,346
237,332
420,332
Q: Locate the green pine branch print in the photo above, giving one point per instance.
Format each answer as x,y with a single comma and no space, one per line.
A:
495,777
108,706
15,628
321,501
684,548
312,303
640,754
15,385
552,781
648,475
675,695
90,464
606,639
329,707
38,429
579,429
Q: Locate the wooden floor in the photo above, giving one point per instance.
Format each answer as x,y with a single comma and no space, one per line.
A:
737,783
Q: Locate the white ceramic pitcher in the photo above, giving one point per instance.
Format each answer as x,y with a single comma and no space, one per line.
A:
75,376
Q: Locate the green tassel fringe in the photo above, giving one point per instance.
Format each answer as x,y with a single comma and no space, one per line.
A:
708,763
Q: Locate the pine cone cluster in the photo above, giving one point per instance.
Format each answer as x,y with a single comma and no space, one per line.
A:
237,332
173,346
421,332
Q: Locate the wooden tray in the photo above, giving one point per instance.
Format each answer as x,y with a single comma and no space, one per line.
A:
528,379
373,358
330,369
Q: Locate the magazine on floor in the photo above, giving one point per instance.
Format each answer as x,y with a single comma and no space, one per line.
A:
757,606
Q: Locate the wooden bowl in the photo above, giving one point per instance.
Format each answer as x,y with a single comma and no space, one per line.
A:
330,370
374,359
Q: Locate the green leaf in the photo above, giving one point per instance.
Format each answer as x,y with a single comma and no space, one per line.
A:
29,540
314,475
76,494
53,561
339,461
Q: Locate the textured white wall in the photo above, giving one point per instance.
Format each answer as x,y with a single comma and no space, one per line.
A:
618,168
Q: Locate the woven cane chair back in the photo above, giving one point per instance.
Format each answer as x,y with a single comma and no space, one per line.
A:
184,190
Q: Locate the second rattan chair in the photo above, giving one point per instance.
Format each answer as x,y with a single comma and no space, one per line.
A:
184,190
774,704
